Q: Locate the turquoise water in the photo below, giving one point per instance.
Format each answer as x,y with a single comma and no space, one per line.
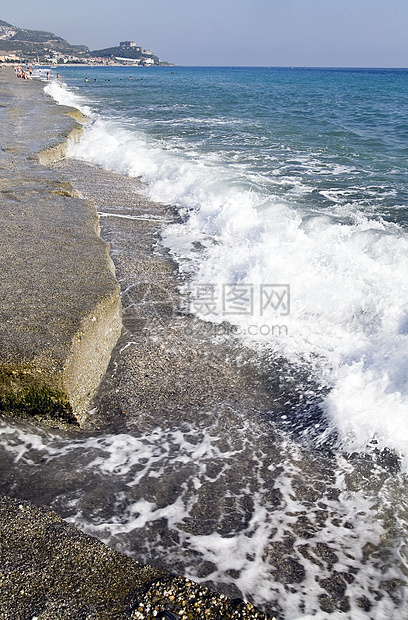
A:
263,119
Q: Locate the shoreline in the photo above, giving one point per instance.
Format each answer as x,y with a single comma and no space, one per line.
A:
49,567
186,462
51,570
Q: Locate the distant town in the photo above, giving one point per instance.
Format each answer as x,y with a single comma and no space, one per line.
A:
40,47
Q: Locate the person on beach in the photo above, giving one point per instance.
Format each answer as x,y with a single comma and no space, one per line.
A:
48,75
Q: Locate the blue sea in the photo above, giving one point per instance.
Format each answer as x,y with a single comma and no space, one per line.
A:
291,189
288,177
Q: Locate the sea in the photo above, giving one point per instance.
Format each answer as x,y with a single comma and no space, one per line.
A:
290,189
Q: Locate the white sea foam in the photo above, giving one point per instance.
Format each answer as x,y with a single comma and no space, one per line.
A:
348,323
131,472
346,271
64,96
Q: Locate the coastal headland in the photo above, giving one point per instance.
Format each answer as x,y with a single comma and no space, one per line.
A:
60,318
40,47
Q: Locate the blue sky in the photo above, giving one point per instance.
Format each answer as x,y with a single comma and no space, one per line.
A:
357,33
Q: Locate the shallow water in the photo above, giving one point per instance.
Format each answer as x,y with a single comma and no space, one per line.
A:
232,501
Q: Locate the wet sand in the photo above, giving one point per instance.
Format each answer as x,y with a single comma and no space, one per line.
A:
169,371
51,571
167,364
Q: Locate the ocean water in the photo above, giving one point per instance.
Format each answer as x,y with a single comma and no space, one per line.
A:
294,185
291,237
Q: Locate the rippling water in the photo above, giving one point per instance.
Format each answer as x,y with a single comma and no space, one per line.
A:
295,178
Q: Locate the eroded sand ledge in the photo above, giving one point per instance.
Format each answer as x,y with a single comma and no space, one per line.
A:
60,313
60,317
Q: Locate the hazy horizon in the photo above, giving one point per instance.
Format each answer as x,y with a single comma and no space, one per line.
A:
317,33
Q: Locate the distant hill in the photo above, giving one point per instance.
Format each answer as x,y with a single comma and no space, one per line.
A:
35,44
46,47
131,51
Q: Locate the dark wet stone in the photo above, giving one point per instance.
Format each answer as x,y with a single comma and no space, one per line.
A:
324,552
364,603
291,571
336,586
326,603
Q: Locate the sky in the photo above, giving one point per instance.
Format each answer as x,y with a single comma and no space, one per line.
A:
312,33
